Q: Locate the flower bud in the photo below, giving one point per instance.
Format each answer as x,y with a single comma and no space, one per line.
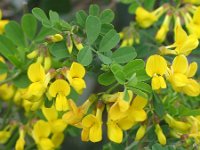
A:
140,133
32,54
160,135
69,43
47,63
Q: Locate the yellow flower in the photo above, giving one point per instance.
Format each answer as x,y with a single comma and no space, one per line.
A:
41,132
120,106
127,119
145,19
184,44
57,139
75,114
160,135
6,133
114,131
4,136
6,91
162,32
156,67
20,142
36,74
57,125
180,76
92,126
31,106
75,77
193,24
60,89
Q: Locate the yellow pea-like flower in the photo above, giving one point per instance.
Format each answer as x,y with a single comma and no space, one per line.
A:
184,44
6,91
180,76
92,126
6,133
57,139
156,67
145,18
120,106
60,89
160,135
4,136
75,77
114,132
140,133
57,124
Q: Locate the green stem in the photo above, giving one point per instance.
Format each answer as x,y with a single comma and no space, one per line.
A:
112,88
10,78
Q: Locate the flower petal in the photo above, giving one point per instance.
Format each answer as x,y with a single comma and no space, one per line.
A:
36,72
59,86
180,64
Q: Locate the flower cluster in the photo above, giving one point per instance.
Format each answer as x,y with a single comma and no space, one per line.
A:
187,14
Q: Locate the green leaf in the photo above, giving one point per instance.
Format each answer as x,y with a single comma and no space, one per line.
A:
158,147
109,41
184,111
143,86
59,50
107,16
158,105
14,32
94,10
8,50
93,28
124,54
149,4
29,25
3,68
21,81
138,92
85,56
54,17
142,75
127,1
65,25
133,66
81,17
118,73
41,16
106,27
132,8
104,59
106,78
